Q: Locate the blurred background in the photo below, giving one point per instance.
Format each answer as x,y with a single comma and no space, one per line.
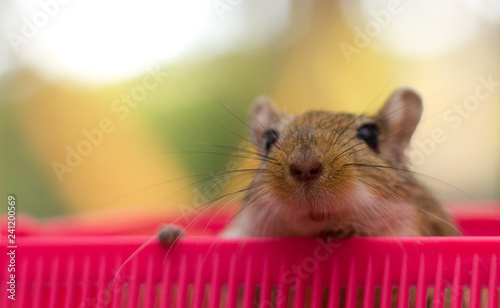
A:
106,106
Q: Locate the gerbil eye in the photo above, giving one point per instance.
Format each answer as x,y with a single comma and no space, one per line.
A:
270,138
369,134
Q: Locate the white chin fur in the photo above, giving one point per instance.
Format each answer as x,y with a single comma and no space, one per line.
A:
369,214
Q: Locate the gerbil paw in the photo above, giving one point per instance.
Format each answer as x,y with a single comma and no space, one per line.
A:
170,233
327,236
343,234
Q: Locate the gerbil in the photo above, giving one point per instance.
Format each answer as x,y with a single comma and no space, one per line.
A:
336,175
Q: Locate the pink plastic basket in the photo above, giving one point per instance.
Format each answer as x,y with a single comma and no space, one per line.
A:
80,270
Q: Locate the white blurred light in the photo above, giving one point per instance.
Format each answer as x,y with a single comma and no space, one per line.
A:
105,41
423,28
489,10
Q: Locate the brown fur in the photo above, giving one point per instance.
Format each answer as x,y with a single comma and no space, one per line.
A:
402,206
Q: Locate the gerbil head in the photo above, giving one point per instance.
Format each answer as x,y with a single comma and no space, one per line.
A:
327,168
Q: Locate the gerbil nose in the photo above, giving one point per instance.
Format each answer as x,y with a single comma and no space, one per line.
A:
306,170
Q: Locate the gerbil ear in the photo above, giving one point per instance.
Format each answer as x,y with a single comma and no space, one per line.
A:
263,116
398,120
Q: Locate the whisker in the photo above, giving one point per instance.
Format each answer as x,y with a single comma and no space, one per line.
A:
268,159
210,116
379,166
387,190
211,204
262,156
346,127
442,220
249,203
278,145
411,172
222,197
226,203
350,148
206,179
336,129
218,100
212,174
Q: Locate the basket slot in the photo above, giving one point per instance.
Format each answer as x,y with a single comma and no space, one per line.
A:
70,274
448,293
334,289
386,291
55,283
412,295
141,292
199,285
183,284
215,285
103,293
37,292
133,286
493,284
223,296
484,297
475,284
122,301
86,278
232,288
249,290
351,290
241,292
404,284
189,294
498,289
308,296
317,292
265,289
368,292
298,292
166,287
290,298
421,291
282,294
118,284
466,298
456,291
438,284
430,298
149,291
